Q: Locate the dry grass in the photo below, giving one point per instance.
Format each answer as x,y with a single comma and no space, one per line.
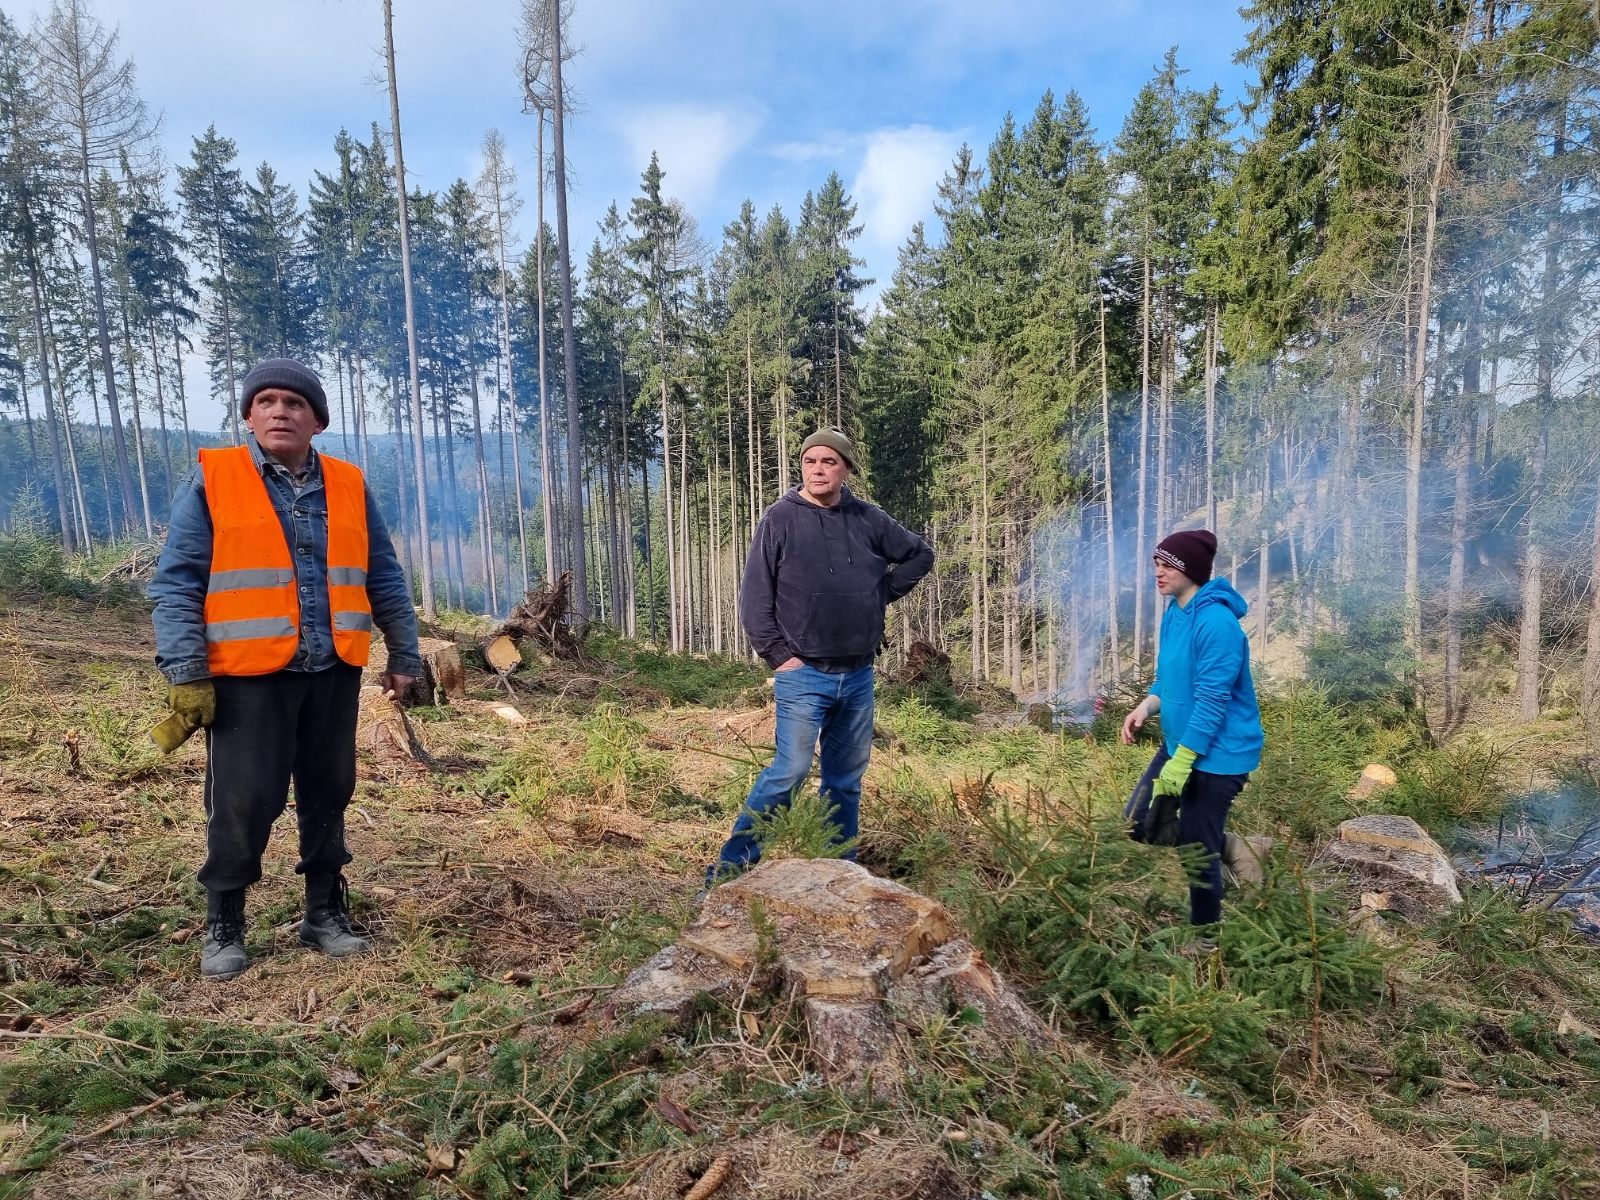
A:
1338,1136
563,887
779,1164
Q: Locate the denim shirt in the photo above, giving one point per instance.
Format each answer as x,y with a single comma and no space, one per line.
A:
179,586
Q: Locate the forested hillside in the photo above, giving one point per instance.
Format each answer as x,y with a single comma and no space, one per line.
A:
1349,323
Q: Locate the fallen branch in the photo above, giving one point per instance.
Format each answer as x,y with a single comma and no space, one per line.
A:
117,1122
661,743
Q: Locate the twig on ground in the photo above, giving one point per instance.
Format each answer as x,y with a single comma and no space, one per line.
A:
117,1122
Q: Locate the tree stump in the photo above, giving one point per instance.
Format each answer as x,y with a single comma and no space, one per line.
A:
443,677
1389,853
862,955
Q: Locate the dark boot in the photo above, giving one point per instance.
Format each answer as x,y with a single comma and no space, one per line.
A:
326,925
222,956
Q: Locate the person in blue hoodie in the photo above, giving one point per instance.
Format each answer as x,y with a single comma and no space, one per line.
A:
1210,721
823,566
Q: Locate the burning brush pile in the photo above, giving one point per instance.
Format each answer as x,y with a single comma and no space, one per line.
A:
1546,852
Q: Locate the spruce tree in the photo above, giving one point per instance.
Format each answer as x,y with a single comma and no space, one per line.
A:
93,99
217,222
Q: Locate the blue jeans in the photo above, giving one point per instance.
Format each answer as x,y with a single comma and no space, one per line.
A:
812,705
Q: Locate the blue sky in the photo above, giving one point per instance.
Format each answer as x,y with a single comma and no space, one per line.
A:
754,99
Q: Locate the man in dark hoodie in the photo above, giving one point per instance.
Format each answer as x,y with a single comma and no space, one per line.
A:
1210,722
823,566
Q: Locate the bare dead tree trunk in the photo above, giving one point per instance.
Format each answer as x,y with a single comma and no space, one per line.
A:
669,517
1529,634
1591,653
58,471
425,546
547,478
1263,623
500,202
138,425
1419,374
1142,511
1112,589
1211,416
580,569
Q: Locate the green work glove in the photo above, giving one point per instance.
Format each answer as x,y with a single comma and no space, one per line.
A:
1175,773
196,702
193,705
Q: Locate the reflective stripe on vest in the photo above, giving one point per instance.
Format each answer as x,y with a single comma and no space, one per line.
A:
347,560
252,611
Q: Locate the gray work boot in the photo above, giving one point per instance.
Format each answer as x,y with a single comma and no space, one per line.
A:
222,955
326,925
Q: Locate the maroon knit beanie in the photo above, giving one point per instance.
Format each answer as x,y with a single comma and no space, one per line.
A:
1191,551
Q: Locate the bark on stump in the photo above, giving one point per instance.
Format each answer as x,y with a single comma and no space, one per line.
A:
443,677
862,956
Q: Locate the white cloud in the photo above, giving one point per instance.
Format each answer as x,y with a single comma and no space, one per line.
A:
899,175
817,149
693,141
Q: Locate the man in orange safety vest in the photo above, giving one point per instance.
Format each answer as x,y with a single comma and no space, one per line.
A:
275,570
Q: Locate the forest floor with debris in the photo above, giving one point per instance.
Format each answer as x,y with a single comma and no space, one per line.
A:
513,884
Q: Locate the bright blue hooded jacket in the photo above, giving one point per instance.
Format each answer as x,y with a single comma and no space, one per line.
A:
1208,700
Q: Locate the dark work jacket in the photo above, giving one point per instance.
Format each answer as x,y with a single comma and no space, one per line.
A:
818,579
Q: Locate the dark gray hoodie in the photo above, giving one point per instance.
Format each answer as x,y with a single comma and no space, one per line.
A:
818,579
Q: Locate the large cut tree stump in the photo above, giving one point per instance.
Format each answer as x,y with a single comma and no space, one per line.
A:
1395,854
443,677
862,955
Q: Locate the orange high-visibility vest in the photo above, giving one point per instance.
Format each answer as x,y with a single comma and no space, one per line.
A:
252,609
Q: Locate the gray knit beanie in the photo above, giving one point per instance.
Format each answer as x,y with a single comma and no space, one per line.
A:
835,441
292,376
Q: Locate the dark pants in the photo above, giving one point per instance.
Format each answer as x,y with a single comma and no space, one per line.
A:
813,705
1202,816
271,729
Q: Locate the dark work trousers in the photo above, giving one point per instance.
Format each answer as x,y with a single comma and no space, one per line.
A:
271,729
1202,816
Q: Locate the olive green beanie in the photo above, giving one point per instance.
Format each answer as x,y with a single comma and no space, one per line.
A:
835,441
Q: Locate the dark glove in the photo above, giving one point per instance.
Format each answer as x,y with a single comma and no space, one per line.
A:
1153,816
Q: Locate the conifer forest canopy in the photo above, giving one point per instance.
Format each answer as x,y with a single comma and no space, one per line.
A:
1349,323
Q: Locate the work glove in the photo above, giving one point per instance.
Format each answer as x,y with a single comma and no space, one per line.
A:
193,705
1153,818
1174,776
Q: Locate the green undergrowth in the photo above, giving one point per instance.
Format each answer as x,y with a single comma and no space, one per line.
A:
938,694
1095,924
605,756
713,680
1235,1072
35,566
140,1055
